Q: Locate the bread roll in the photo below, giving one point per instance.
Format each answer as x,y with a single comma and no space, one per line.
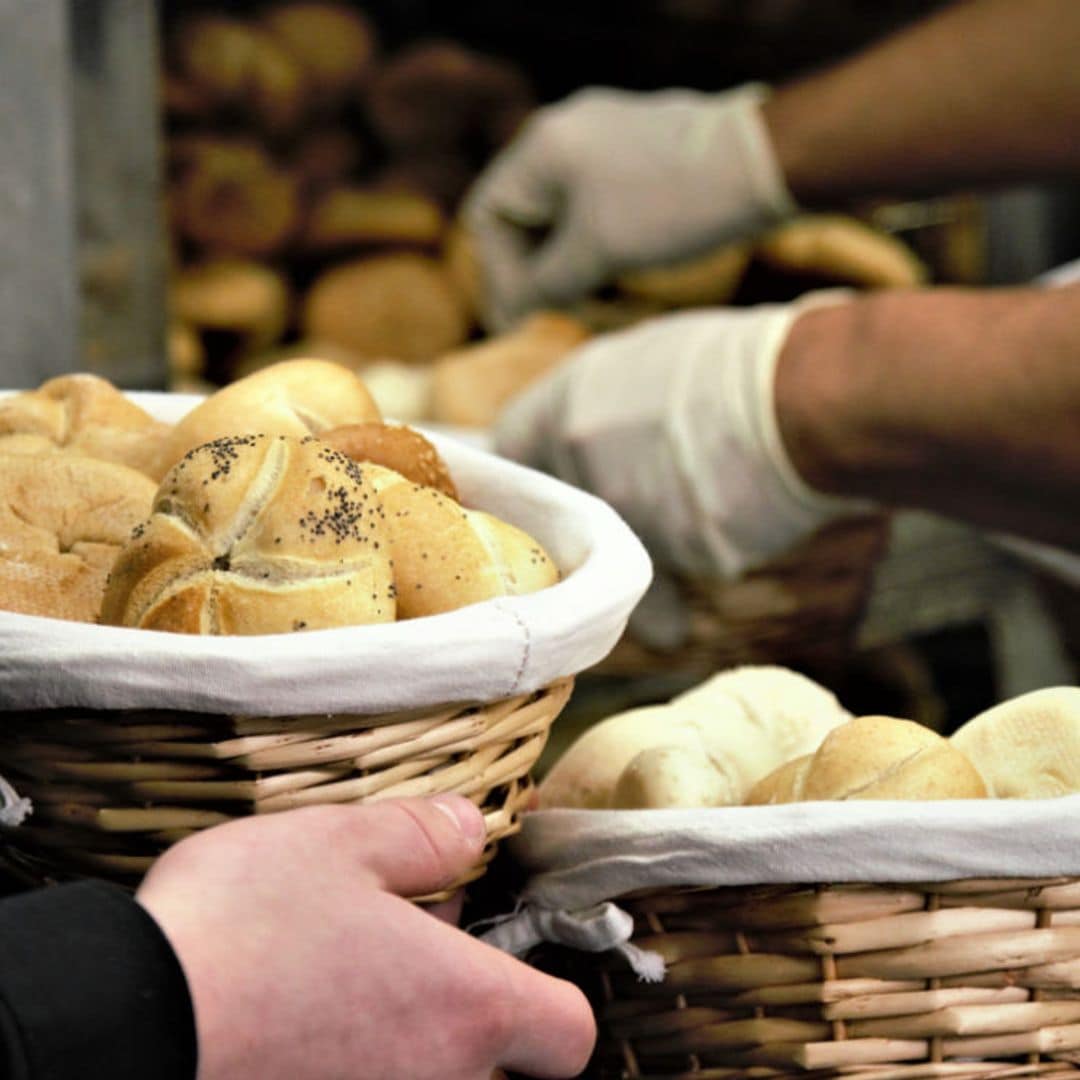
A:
402,391
63,520
446,557
399,306
876,757
470,386
241,297
841,249
396,447
241,66
335,45
718,739
87,414
1027,747
712,278
294,397
256,534
349,217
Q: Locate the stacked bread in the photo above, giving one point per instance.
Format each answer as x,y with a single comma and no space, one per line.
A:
280,503
766,735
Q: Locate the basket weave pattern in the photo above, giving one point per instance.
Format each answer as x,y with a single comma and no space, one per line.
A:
966,979
112,790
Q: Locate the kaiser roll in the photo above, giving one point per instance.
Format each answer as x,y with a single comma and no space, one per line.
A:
256,534
397,447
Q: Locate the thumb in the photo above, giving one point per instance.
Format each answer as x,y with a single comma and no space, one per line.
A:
412,847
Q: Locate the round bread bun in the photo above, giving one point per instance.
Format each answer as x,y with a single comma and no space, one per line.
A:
719,739
256,534
396,447
350,217
294,397
238,296
335,45
446,557
471,385
1027,747
87,414
63,519
712,278
399,306
877,757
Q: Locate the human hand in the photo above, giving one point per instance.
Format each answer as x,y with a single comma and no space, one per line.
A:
618,181
303,959
673,423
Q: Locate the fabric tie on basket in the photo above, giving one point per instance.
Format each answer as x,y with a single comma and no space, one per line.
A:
594,929
14,809
580,862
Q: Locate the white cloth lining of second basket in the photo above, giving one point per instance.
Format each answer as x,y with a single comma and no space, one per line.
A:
579,862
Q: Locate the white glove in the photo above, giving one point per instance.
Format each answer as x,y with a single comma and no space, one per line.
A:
620,180
673,423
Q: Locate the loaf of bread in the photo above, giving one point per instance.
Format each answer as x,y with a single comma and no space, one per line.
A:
293,397
256,534
1027,747
63,519
87,414
875,757
707,747
400,305
470,386
446,557
394,446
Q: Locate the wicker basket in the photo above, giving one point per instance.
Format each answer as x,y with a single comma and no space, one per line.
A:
112,790
974,978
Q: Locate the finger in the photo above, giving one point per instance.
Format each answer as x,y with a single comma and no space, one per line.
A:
413,847
552,1030
449,911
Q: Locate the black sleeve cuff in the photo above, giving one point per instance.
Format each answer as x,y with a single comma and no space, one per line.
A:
89,986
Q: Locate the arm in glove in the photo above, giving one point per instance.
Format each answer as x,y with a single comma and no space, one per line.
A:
673,423
619,180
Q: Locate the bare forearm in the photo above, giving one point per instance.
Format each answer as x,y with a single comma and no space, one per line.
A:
963,402
986,92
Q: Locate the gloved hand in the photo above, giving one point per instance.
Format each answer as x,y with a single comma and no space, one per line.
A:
620,180
673,423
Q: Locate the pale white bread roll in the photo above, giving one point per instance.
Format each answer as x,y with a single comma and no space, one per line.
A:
401,391
256,534
726,734
471,385
294,397
87,414
63,520
446,557
1027,747
876,757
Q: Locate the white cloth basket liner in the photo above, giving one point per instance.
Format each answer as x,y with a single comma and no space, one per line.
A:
481,653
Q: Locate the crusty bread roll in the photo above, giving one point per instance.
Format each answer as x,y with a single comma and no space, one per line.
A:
349,217
256,534
63,520
334,43
398,305
876,757
446,557
712,278
1027,747
294,397
396,447
239,65
231,198
841,249
86,413
719,739
471,385
241,297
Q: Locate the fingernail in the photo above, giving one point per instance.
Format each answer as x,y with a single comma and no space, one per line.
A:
465,816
